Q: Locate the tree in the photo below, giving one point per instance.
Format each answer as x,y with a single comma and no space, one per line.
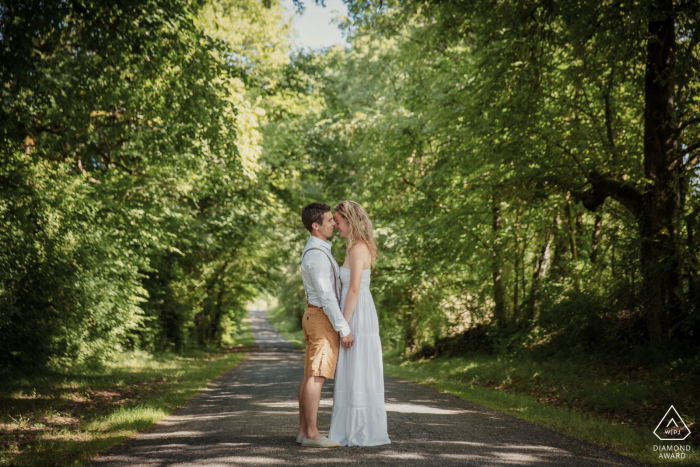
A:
552,94
131,206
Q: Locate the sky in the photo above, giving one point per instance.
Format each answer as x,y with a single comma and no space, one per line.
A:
314,27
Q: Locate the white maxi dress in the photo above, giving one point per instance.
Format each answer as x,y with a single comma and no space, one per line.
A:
359,415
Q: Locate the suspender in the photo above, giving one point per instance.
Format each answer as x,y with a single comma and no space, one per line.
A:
335,274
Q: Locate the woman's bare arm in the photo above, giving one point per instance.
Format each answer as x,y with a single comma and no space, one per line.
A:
357,257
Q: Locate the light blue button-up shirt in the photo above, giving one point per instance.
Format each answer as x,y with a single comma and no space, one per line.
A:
319,282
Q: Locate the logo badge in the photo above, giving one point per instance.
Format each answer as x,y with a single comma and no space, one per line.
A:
672,427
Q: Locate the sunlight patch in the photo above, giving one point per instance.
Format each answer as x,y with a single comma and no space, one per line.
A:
424,409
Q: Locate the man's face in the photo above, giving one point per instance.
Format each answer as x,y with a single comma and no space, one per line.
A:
342,225
326,228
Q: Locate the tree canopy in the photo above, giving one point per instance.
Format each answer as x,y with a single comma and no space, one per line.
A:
530,167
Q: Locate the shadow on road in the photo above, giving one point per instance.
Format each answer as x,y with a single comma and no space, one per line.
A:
249,417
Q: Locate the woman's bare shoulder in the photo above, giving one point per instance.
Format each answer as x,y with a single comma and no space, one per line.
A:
359,247
359,254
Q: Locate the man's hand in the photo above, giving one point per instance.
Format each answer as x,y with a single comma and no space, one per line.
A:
347,341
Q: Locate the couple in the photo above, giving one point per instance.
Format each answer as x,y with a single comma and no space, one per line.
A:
359,416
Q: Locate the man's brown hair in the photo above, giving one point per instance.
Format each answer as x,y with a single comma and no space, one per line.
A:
313,213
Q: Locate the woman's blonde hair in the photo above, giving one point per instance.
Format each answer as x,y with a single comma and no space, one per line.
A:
360,226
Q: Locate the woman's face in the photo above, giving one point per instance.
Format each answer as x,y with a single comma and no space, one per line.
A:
342,225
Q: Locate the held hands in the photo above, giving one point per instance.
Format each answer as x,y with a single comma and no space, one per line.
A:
347,341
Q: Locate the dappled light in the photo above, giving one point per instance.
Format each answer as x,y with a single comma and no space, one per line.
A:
411,408
524,174
254,420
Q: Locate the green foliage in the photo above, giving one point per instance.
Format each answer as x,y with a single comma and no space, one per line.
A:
590,323
69,290
500,151
133,203
287,324
293,298
156,155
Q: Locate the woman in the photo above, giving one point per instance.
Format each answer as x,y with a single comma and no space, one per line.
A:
359,416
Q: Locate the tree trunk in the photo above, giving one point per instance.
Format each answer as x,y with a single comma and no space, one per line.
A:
217,329
521,245
546,256
661,199
409,332
693,285
560,247
597,229
658,207
570,227
540,265
207,318
516,289
499,310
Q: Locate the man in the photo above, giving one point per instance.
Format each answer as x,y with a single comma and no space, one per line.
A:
322,320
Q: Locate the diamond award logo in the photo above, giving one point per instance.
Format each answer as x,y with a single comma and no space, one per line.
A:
672,427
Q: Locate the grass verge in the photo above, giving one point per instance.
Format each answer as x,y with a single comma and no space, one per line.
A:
562,395
66,419
469,378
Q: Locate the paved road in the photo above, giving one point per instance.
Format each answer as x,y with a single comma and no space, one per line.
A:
249,417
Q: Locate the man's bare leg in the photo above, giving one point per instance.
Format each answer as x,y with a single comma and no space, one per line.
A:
311,398
302,421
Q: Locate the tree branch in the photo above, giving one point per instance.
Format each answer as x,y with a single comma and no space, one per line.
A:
689,149
424,193
573,156
692,162
604,186
687,123
84,172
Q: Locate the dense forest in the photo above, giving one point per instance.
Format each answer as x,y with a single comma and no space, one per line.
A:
531,168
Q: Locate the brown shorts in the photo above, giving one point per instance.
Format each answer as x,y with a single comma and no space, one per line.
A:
322,343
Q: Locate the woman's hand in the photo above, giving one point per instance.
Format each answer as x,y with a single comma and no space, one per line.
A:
347,341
